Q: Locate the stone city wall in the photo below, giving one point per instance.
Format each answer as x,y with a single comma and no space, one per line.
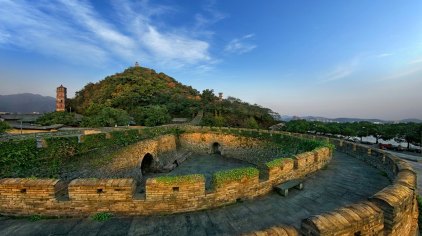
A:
391,211
163,194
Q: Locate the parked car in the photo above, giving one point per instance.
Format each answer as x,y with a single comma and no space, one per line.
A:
385,146
398,148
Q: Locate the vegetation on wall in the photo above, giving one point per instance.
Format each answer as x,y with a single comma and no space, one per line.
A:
23,158
176,179
276,162
221,177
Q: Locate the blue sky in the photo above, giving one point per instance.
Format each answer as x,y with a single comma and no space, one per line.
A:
327,58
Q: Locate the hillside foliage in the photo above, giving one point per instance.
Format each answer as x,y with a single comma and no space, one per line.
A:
145,97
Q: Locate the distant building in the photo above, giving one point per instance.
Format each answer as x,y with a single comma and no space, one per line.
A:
61,96
220,96
136,64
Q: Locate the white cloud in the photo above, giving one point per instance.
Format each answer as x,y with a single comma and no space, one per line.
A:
384,55
411,72
76,31
416,61
240,45
341,71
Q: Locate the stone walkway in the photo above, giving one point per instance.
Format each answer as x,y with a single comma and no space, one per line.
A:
345,181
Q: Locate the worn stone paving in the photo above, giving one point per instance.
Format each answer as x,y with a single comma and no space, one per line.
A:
345,181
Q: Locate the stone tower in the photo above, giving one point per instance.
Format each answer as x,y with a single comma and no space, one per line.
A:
61,96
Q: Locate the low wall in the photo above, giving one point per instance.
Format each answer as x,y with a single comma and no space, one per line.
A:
392,211
162,194
233,146
129,159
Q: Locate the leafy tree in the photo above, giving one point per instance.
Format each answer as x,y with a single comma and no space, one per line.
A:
151,115
138,87
208,97
156,115
297,126
251,123
53,118
107,117
408,132
4,127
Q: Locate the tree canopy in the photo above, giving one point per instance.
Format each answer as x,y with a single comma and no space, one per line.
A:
152,98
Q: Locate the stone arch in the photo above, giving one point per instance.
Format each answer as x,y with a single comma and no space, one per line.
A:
216,148
146,163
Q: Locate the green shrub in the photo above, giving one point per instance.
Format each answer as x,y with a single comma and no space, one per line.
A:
4,127
101,216
221,177
17,156
53,118
276,162
34,218
93,141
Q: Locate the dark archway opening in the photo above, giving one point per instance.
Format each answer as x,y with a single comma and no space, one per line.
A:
216,148
146,163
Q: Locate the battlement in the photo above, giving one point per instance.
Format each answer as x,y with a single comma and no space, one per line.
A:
167,194
391,211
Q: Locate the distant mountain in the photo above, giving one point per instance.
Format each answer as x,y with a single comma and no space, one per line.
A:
27,103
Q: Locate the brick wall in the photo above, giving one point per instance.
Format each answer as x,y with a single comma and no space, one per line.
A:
181,194
392,211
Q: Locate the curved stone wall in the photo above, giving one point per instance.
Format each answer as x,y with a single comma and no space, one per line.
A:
181,194
392,211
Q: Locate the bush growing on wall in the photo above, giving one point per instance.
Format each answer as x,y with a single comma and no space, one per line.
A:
16,156
221,177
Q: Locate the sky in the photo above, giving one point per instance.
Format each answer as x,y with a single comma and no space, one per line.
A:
358,58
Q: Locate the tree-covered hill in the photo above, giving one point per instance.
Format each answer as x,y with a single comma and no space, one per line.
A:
152,98
137,87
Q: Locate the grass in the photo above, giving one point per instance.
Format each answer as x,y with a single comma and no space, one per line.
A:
180,179
34,218
101,216
222,177
276,162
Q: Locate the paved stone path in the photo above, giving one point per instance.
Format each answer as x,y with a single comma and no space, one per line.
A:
345,181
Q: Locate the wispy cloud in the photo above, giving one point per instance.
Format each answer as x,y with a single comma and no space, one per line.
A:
384,55
240,45
416,61
209,16
411,72
76,31
341,71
